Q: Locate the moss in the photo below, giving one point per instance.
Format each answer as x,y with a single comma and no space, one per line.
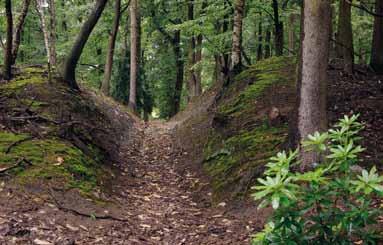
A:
238,149
246,151
52,159
260,76
21,83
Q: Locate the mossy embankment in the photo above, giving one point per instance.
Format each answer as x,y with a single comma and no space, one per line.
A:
236,138
51,136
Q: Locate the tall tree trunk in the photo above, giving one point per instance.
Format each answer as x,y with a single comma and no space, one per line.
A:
52,32
192,82
377,41
345,38
312,85
8,46
134,53
179,72
236,52
278,32
19,29
105,87
69,73
268,44
260,40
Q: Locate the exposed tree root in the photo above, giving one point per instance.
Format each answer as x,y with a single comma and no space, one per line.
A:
83,214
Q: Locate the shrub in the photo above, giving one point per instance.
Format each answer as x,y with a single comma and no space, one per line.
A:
332,203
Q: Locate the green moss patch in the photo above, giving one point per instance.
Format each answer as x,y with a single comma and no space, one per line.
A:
242,142
51,159
276,70
227,160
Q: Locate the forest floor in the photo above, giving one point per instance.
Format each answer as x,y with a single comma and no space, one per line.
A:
156,205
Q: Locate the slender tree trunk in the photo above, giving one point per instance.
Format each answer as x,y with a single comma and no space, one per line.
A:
105,87
134,53
52,32
260,40
69,73
44,29
345,38
312,85
19,29
268,44
278,32
8,46
236,52
179,72
377,41
192,82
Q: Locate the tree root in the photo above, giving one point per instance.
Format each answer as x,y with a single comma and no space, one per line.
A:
83,214
16,143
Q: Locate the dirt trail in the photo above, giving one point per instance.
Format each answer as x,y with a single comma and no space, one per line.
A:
150,203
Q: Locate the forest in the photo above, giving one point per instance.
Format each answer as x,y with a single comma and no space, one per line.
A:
191,122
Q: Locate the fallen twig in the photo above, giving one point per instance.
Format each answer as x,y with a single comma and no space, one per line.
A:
9,148
17,164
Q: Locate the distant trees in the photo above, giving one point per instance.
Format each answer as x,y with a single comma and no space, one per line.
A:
9,40
312,82
69,72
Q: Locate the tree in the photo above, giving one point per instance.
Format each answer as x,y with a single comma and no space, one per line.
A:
236,52
19,29
52,32
105,87
176,42
345,39
69,73
377,43
194,53
135,52
8,48
47,41
278,31
313,73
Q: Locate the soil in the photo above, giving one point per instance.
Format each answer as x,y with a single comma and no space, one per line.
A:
154,204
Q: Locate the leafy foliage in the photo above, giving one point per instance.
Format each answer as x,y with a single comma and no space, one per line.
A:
331,204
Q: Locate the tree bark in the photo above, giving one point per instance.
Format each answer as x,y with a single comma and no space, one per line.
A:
69,73
192,82
19,29
105,87
278,32
134,53
8,46
345,38
377,41
52,32
44,29
179,72
312,114
236,52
